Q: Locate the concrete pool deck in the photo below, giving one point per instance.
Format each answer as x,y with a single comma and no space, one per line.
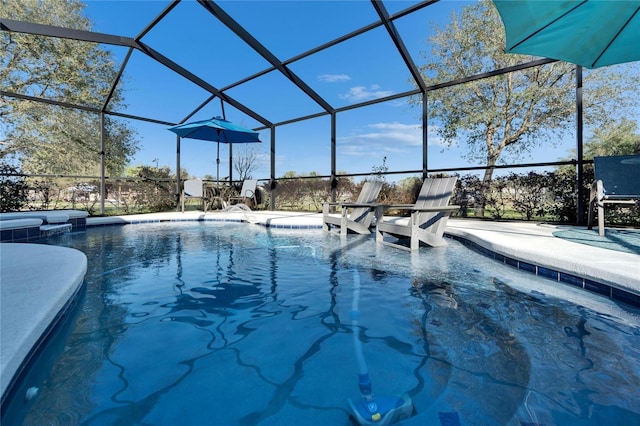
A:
29,302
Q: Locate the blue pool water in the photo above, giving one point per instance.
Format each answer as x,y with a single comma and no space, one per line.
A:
236,324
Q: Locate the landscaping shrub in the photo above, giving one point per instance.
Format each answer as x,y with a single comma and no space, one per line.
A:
13,188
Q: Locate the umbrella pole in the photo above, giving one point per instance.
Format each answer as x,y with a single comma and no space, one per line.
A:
218,167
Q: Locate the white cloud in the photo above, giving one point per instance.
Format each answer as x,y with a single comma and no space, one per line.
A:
407,134
333,78
386,137
370,150
362,93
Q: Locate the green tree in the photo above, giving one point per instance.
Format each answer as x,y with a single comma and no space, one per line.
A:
616,138
529,193
507,116
53,139
619,137
154,191
407,190
13,188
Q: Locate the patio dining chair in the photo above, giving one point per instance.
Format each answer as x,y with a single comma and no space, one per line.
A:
355,217
247,193
429,215
617,181
192,188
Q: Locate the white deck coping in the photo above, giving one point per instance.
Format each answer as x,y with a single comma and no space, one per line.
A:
8,224
262,217
50,216
535,243
36,282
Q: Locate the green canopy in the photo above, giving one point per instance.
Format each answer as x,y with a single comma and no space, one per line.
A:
591,33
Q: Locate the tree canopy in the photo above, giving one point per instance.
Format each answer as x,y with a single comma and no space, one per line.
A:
508,115
617,138
52,139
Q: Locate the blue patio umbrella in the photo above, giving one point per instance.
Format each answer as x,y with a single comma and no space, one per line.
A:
216,130
591,33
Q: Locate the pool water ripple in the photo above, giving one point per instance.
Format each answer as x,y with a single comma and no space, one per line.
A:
206,324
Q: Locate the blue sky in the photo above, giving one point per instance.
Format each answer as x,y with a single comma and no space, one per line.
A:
361,69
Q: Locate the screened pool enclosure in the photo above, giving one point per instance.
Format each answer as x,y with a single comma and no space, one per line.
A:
279,82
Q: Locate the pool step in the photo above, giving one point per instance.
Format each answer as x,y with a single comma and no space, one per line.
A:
57,229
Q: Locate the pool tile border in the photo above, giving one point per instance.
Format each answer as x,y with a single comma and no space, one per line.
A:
20,235
268,224
33,233
614,293
148,221
285,226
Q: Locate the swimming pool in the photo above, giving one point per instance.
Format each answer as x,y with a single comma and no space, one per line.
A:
236,324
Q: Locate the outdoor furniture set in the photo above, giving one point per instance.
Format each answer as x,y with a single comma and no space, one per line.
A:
617,181
214,195
426,223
